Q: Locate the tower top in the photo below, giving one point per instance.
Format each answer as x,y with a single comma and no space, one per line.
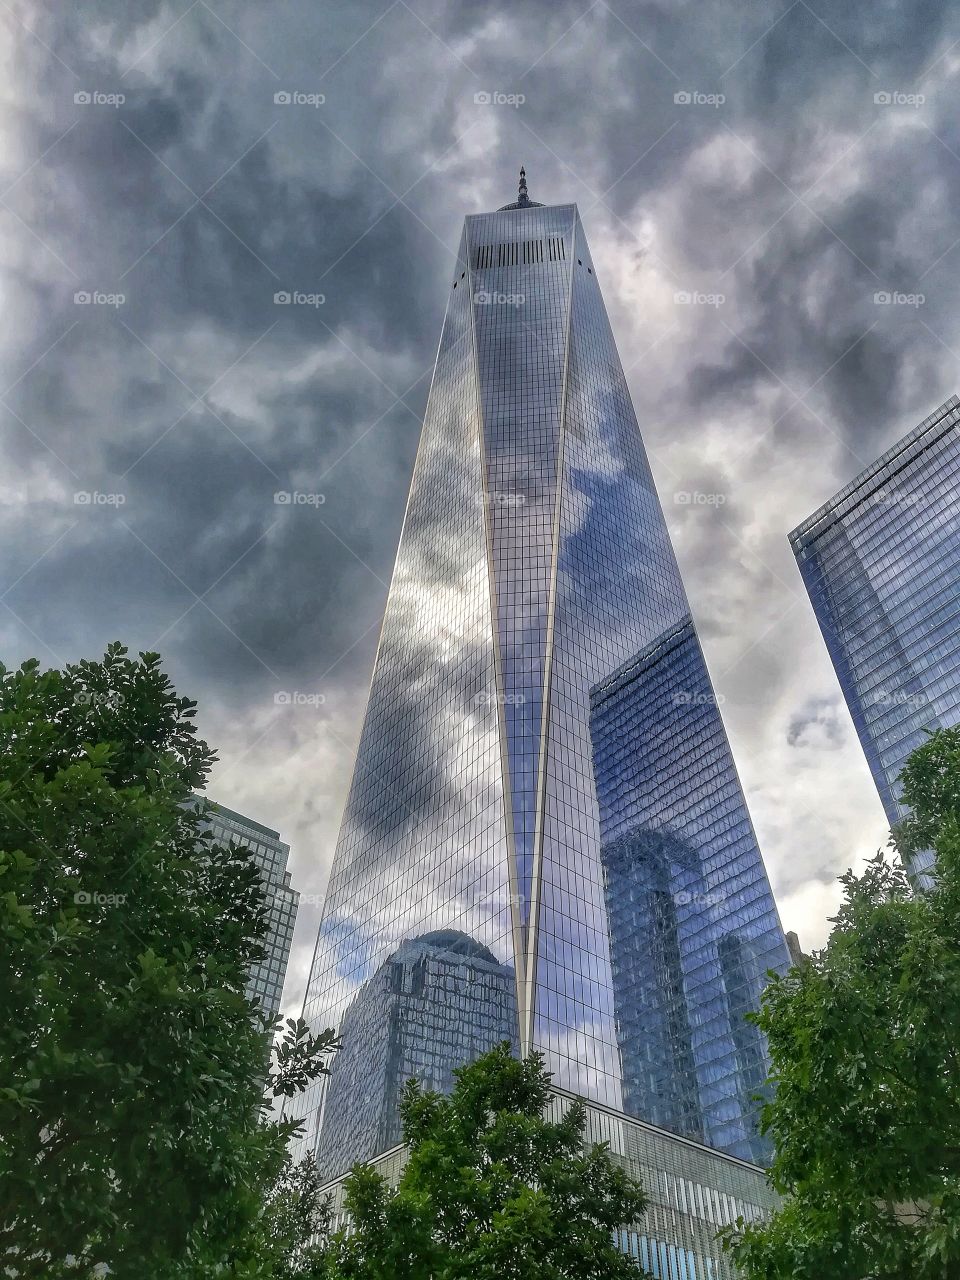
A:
523,200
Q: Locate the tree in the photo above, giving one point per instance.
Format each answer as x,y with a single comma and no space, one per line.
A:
865,1044
132,1066
290,1240
492,1190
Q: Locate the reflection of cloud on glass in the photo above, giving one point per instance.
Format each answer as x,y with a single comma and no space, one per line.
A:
423,840
579,1058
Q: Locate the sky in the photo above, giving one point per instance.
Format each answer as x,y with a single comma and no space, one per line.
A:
769,192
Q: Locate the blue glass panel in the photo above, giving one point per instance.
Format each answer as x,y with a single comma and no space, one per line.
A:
881,563
423,843
656,924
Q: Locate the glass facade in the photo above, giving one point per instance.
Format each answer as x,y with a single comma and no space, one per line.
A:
438,1001
679,859
543,766
270,854
881,563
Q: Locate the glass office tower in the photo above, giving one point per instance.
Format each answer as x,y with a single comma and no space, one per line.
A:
679,861
442,989
543,767
881,563
270,854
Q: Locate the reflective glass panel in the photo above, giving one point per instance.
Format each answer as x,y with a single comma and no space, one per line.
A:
881,563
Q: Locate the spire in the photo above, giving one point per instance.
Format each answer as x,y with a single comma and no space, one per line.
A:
523,200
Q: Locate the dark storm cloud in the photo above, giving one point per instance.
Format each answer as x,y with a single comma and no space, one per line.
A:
198,397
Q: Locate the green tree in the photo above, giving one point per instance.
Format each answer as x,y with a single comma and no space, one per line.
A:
492,1189
289,1242
865,1044
132,1066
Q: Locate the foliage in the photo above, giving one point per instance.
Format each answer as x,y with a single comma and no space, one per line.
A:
492,1189
290,1239
865,1042
132,1132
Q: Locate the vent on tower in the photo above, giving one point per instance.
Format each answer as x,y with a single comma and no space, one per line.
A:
517,252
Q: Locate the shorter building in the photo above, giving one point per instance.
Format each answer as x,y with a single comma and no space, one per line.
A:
270,853
692,1192
881,564
797,954
439,1002
693,925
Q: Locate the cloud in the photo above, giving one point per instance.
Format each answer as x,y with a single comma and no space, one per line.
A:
818,724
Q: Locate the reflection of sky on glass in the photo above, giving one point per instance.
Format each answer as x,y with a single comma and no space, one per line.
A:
692,923
423,840
618,591
535,563
521,321
882,564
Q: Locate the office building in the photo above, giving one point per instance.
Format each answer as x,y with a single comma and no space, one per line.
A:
439,1002
270,854
881,563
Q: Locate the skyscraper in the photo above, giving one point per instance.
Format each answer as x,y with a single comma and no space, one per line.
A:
270,854
680,862
881,563
543,767
439,1001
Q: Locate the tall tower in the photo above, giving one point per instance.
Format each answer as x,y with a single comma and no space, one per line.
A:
543,767
881,563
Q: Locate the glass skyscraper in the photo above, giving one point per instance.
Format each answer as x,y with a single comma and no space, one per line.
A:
438,1001
881,563
270,854
543,769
